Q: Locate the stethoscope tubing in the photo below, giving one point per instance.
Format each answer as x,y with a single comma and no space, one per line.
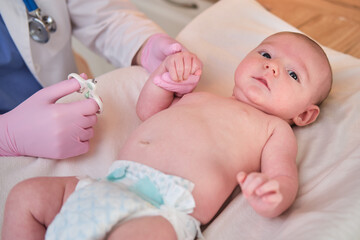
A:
30,5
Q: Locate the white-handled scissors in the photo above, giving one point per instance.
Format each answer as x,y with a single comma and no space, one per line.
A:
89,87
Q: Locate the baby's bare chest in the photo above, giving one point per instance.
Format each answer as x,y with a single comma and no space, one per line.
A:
223,129
225,126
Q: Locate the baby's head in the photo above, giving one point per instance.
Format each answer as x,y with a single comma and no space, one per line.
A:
288,75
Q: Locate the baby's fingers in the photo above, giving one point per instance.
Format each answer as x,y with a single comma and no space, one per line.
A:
188,62
171,67
272,198
250,187
272,186
251,183
270,192
180,66
193,66
196,67
187,66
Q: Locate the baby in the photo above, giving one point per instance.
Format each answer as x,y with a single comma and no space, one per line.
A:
191,151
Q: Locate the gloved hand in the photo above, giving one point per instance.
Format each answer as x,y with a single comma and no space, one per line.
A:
179,88
157,48
42,128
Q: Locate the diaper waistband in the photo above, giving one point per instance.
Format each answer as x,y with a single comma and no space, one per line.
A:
154,186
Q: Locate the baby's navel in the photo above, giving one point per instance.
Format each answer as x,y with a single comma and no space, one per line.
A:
144,142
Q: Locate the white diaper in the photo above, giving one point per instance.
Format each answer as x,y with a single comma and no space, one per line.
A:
130,190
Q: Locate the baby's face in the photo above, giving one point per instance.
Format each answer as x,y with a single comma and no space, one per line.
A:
282,76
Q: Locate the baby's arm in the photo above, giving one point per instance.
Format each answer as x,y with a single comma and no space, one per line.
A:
158,93
271,191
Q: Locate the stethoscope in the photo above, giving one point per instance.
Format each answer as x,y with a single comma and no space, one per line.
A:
40,26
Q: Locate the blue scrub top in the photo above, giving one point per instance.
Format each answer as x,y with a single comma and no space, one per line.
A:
16,81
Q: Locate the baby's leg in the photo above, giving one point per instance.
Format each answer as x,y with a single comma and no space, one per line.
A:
150,228
32,205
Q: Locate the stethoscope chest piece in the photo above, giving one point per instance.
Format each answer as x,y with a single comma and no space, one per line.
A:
40,29
40,26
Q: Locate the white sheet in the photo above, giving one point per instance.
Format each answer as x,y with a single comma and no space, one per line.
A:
328,203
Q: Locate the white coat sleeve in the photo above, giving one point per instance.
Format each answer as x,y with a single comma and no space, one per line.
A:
114,29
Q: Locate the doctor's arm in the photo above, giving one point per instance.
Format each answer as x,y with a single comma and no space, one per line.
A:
119,32
40,127
154,51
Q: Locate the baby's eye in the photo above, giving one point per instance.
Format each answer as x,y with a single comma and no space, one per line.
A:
265,54
293,75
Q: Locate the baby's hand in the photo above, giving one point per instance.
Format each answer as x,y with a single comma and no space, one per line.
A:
181,65
260,190
179,73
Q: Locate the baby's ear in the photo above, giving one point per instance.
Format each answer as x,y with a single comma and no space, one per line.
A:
308,116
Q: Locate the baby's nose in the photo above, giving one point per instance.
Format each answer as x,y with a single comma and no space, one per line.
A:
273,67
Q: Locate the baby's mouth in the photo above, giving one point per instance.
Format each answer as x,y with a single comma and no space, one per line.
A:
263,81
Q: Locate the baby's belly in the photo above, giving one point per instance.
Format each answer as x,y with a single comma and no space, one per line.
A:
191,156
213,183
204,150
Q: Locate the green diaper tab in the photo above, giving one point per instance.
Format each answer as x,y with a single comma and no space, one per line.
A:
146,189
117,174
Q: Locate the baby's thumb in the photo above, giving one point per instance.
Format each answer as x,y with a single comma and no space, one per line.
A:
240,177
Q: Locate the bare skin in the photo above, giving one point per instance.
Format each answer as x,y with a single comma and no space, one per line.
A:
197,129
215,142
26,216
246,139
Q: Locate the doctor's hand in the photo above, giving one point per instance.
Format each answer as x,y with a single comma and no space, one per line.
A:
156,49
42,128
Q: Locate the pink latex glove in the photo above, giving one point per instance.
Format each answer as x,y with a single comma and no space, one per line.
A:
157,48
39,127
179,88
